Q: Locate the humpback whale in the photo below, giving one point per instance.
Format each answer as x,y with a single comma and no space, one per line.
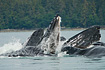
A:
46,41
41,42
79,44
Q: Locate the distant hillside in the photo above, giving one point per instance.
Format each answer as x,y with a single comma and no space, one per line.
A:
30,14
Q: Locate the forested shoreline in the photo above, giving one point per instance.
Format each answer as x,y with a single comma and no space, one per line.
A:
32,14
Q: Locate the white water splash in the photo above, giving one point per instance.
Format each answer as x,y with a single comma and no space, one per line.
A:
58,49
61,54
11,46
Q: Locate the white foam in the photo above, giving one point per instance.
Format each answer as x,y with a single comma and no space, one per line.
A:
11,46
90,46
58,49
61,54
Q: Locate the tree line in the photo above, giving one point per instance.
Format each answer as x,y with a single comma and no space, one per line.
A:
31,14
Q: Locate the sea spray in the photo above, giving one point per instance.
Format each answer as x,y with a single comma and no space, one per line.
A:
58,49
11,46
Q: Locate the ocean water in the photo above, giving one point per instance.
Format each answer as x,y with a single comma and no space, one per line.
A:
11,41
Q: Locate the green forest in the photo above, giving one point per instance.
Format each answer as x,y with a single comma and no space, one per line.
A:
31,14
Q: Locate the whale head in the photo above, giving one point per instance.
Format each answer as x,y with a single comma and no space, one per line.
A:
51,37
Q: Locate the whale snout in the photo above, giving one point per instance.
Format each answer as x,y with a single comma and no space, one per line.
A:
55,23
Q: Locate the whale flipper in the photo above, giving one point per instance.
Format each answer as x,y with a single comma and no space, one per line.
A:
85,38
